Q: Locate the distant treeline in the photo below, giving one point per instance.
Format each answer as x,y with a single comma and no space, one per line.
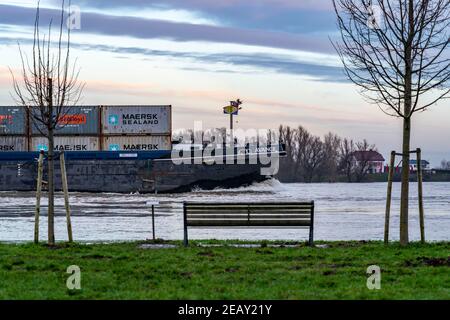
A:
309,158
313,159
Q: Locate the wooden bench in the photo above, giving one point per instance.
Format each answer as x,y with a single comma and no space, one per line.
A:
287,215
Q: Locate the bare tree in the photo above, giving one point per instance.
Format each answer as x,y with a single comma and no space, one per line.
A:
398,61
286,134
329,166
347,148
311,154
308,158
48,85
445,165
301,137
314,157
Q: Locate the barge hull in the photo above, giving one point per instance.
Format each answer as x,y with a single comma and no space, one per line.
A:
128,176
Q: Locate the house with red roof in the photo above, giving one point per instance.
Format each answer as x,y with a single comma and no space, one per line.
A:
370,159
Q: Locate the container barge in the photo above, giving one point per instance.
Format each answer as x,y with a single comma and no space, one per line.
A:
120,149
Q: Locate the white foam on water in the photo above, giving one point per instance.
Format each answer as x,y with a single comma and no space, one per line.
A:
270,185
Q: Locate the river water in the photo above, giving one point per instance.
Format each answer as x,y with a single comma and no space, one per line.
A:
343,212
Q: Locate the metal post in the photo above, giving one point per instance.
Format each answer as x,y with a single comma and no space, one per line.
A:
231,131
100,125
38,196
66,195
388,198
311,227
153,221
185,241
420,190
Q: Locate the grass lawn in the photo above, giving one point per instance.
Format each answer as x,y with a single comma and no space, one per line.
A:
125,271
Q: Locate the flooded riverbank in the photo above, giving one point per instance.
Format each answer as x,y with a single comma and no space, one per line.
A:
343,212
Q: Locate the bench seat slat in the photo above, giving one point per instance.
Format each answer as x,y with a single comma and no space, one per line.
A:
218,223
229,215
224,215
243,222
280,216
259,212
191,207
213,210
281,210
246,217
232,215
191,203
250,227
251,209
290,222
247,203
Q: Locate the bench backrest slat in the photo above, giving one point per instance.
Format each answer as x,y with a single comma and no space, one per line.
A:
244,204
250,223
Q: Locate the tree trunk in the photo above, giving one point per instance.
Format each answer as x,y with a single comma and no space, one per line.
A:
51,168
349,172
404,206
404,202
51,189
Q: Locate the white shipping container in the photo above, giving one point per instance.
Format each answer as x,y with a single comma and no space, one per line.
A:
67,144
133,120
13,144
137,143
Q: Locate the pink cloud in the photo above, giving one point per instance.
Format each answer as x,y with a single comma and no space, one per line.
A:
197,100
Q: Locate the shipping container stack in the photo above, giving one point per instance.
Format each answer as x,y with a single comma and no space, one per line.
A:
136,128
90,128
78,130
13,129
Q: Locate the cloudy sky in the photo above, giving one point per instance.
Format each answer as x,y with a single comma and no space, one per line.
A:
196,55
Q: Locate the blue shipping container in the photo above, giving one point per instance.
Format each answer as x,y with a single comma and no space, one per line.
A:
75,121
12,120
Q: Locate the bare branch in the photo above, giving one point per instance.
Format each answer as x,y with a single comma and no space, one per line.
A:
49,85
401,63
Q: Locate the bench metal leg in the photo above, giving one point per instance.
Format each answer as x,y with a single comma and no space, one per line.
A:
311,228
185,239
